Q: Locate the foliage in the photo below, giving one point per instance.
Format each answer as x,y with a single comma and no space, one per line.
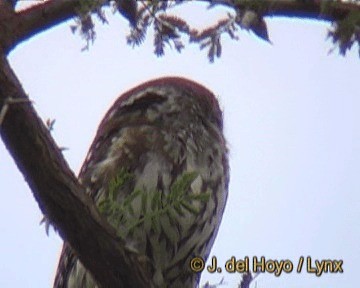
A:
84,23
153,205
346,32
171,30
247,279
216,285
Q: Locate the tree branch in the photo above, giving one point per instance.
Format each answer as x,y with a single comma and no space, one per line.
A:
58,193
313,10
27,23
295,8
38,18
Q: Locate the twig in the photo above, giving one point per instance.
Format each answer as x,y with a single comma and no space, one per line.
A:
9,101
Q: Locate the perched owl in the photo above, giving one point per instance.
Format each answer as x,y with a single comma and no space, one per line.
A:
161,142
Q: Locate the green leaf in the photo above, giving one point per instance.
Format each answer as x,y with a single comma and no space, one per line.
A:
131,197
144,201
156,201
156,207
190,208
203,197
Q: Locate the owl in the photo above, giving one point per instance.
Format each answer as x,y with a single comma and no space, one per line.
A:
158,170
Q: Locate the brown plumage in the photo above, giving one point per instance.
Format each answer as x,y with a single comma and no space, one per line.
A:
158,132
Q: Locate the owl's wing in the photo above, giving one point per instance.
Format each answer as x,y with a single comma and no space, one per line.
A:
66,264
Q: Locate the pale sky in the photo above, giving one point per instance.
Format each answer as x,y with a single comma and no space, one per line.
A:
292,123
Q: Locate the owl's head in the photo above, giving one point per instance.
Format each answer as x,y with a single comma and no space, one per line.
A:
163,99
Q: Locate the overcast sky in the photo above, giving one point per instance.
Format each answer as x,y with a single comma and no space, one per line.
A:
291,120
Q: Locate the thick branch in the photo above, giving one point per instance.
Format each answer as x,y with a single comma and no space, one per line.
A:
312,10
295,8
29,22
41,17
60,196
